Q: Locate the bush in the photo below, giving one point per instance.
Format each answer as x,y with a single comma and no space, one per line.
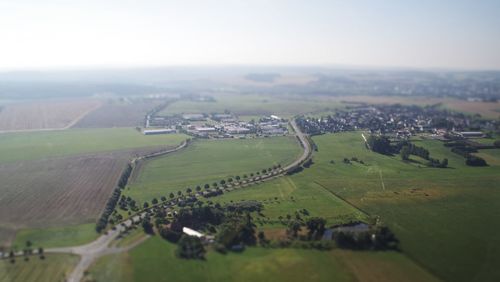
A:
190,247
170,235
380,144
475,161
496,143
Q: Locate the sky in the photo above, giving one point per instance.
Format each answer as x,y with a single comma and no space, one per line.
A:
448,34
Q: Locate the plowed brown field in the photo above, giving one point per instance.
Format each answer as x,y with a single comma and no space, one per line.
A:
58,191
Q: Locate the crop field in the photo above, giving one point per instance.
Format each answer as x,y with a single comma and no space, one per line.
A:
418,202
50,179
119,113
206,161
38,145
58,191
54,268
154,260
44,115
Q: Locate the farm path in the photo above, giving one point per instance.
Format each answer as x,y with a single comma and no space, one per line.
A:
100,247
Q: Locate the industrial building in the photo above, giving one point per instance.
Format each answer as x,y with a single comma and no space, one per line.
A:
159,131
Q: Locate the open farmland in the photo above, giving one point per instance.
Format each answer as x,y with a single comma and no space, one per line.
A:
206,161
417,202
254,105
154,260
485,109
60,191
54,268
37,145
288,194
44,115
55,178
120,113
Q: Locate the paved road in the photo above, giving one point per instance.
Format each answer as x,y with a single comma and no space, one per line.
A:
305,144
100,247
92,251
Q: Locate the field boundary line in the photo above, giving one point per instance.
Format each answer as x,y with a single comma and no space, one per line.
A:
341,198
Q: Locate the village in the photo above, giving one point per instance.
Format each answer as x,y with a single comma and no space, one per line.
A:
216,125
401,122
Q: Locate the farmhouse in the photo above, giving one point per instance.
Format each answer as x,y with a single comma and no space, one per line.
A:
158,131
191,232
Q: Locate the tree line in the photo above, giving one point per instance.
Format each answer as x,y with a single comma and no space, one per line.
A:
466,150
102,222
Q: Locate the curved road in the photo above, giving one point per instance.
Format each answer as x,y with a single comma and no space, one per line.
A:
100,247
305,144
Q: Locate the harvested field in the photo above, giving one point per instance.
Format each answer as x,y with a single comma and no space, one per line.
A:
65,177
58,191
44,115
53,192
119,113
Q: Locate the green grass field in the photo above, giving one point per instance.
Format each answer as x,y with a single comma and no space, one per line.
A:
154,260
446,219
438,214
288,194
491,156
207,161
38,145
57,236
54,268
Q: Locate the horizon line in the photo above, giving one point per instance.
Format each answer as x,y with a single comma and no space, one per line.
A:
115,67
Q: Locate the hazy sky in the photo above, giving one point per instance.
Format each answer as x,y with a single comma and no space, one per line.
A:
88,33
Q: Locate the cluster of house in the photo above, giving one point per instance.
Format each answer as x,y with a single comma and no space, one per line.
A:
401,121
218,125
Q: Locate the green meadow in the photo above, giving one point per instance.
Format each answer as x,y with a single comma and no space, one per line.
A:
54,268
52,237
288,194
208,161
438,214
154,260
43,144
